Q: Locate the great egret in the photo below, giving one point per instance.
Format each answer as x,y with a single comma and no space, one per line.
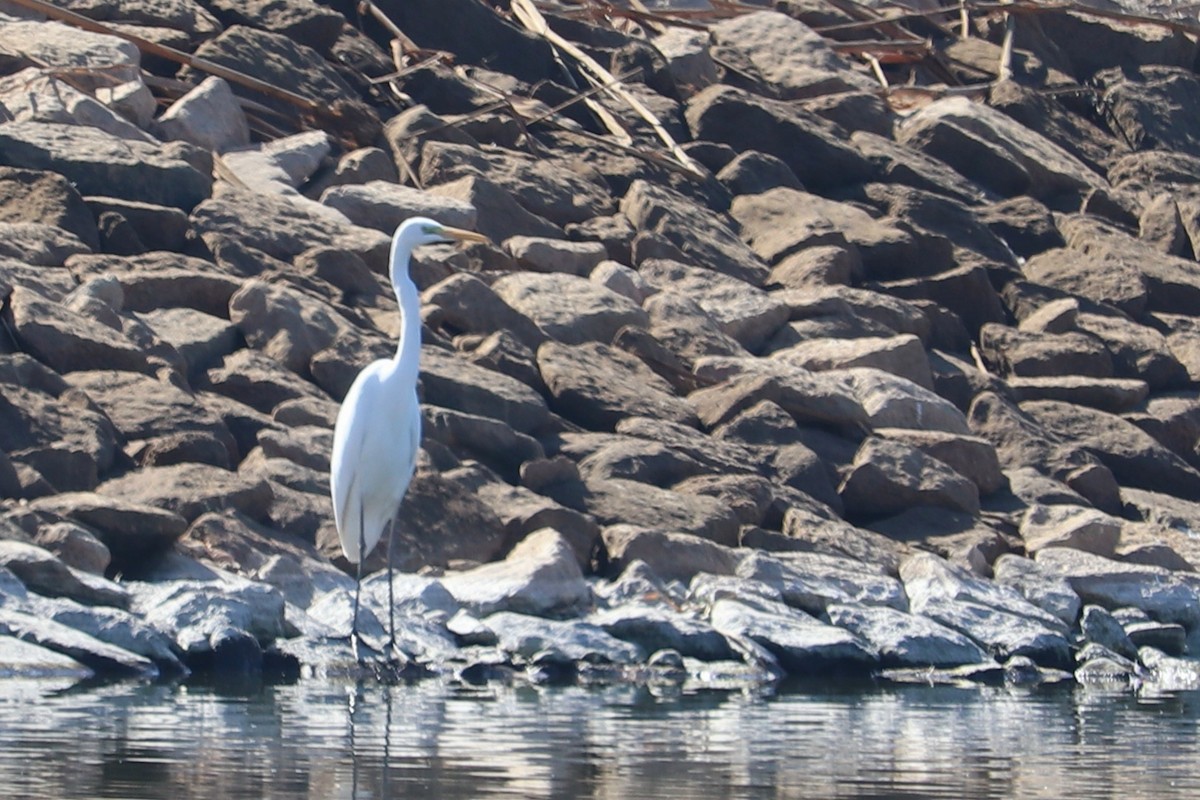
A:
378,428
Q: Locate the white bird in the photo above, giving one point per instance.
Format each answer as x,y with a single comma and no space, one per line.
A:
378,429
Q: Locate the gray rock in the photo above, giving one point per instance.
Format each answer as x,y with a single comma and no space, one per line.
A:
19,659
454,382
67,341
98,163
540,576
888,476
525,636
1099,626
812,147
672,556
556,255
803,644
48,198
787,54
656,209
569,308
996,617
781,222
44,573
1070,526
654,628
190,490
207,116
597,386
744,312
905,640
499,214
101,657
1134,457
383,205
1114,584
991,148
283,229
547,187
813,581
1047,591
129,531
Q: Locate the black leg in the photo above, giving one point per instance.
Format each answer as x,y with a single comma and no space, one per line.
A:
391,645
355,636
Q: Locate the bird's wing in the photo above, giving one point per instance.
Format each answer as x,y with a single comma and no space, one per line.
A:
350,436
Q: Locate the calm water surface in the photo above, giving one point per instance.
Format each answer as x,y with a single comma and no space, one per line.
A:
328,740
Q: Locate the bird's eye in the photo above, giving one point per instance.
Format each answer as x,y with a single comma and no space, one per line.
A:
432,230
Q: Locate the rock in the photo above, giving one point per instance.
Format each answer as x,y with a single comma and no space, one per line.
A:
76,545
569,308
1114,395
656,209
970,456
555,255
1113,584
190,490
98,163
207,116
901,355
45,574
813,148
383,205
256,380
1099,626
654,628
525,636
1070,526
1132,455
1104,279
283,229
785,53
888,476
540,576
219,628
781,222
686,330
499,214
49,428
102,658
895,402
996,617
467,304
1170,639
129,531
20,659
673,556
803,644
905,640
1021,441
990,148
597,386
454,382
67,341
48,198
547,187
618,501
744,312
823,398
813,581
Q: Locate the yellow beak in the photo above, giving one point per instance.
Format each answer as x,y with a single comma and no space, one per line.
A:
464,235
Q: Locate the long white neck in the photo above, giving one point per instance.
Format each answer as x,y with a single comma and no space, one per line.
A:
410,327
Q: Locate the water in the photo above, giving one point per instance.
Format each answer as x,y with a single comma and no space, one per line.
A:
329,740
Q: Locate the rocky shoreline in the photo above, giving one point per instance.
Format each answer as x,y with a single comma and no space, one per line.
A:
812,341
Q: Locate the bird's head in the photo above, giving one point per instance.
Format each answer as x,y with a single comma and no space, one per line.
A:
417,231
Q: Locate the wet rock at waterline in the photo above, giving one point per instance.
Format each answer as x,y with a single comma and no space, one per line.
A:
848,381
